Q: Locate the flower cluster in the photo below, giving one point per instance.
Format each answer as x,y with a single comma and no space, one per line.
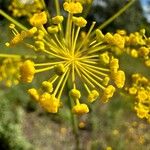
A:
9,71
140,89
21,8
137,45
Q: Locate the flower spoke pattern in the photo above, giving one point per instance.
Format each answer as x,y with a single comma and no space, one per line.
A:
85,60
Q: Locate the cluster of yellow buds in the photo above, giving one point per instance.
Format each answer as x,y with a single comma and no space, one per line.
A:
48,101
136,44
72,7
21,8
38,19
27,71
9,71
115,40
140,46
140,89
19,37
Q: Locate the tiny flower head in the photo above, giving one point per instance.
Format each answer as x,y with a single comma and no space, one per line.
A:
57,19
73,7
79,21
114,65
47,86
80,109
108,93
142,95
119,78
53,29
104,58
27,71
49,102
75,94
34,94
38,19
142,111
93,95
16,39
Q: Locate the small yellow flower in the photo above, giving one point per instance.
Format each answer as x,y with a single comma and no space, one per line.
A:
132,90
82,125
108,93
79,21
104,58
75,94
73,7
57,19
147,62
80,109
17,39
119,78
106,80
38,19
32,31
142,95
59,69
53,29
40,45
114,65
108,38
142,111
118,41
122,32
134,53
47,86
115,40
93,95
27,71
49,102
144,51
34,94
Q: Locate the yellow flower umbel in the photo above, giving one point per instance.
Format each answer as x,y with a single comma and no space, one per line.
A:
9,70
21,8
136,44
140,89
84,59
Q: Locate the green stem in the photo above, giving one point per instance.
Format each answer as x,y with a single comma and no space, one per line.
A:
12,20
87,10
9,56
47,12
57,7
122,10
116,14
74,122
